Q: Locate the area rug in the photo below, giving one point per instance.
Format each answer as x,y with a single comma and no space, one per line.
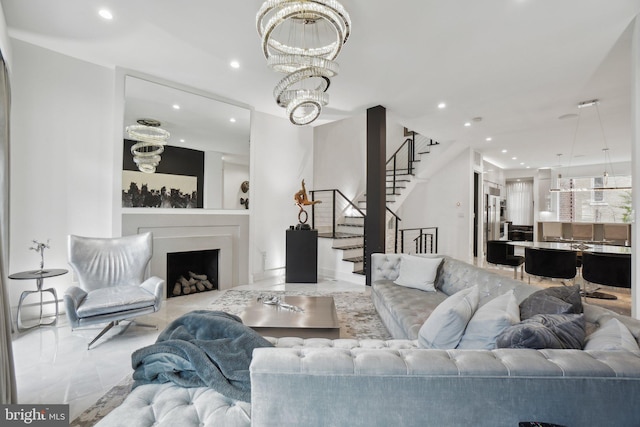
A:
356,313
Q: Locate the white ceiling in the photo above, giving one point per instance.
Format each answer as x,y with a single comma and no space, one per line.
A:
517,64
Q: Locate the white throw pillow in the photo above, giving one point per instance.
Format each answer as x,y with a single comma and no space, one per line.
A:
418,272
612,335
489,321
447,322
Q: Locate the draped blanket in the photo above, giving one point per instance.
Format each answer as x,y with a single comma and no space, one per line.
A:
201,348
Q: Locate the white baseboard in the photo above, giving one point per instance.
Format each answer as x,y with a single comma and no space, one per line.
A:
268,274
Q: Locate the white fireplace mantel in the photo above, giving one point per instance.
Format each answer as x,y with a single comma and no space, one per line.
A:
177,232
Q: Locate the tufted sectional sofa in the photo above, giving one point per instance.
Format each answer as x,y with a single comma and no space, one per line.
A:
319,382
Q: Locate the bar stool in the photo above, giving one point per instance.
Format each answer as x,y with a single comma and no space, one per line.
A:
605,269
500,252
551,263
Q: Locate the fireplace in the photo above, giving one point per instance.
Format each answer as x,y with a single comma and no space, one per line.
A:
192,272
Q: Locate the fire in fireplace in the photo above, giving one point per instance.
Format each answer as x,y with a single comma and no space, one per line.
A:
191,272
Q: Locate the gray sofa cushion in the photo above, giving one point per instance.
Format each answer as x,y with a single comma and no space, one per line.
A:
115,298
455,275
561,331
403,310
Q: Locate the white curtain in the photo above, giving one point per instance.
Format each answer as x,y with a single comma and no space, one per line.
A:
7,378
520,202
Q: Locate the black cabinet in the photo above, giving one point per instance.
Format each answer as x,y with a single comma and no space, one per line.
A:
302,256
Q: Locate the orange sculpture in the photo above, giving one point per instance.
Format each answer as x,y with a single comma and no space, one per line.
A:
302,200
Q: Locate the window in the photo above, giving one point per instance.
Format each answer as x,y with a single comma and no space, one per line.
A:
580,201
598,182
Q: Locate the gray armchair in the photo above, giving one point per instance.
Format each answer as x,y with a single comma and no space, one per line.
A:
111,274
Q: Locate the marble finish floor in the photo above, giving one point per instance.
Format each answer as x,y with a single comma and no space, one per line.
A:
53,364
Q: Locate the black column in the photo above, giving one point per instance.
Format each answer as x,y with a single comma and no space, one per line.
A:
374,224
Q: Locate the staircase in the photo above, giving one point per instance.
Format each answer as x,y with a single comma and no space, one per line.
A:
347,218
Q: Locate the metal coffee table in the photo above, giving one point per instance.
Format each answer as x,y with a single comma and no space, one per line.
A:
318,320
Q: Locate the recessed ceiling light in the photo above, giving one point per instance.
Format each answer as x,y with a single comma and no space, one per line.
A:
232,120
182,140
504,151
105,14
176,107
442,105
488,139
234,64
467,124
521,163
514,158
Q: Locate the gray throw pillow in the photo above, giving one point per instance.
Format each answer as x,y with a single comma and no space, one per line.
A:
489,321
560,331
555,300
446,324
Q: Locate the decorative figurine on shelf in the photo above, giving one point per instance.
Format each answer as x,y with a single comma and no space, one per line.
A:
244,187
40,247
302,200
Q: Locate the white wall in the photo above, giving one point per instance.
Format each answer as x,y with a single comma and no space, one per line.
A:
395,135
62,140
445,201
234,176
339,156
281,156
340,153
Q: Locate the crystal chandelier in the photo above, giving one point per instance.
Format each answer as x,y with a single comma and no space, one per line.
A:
303,38
151,139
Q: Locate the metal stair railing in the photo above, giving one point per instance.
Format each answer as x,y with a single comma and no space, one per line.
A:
405,155
334,204
396,225
425,240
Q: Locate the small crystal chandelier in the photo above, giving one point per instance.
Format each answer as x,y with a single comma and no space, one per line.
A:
303,38
151,141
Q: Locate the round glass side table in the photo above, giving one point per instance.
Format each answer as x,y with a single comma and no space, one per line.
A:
38,276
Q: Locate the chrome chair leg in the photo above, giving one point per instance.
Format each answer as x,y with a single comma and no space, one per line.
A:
117,322
144,325
102,332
